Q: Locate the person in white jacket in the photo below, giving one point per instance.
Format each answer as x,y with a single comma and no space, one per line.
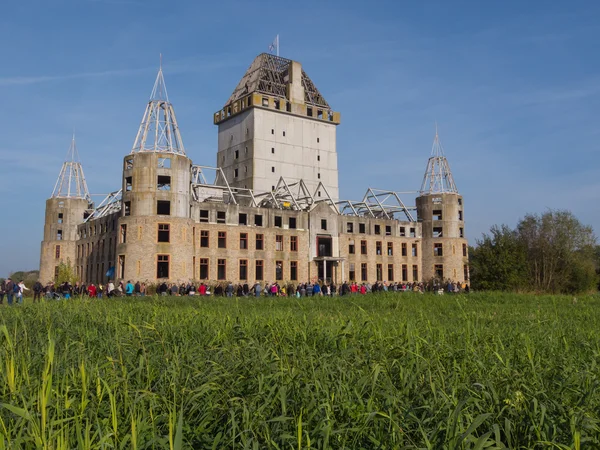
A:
22,288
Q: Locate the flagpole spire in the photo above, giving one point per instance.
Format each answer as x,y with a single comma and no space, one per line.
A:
277,44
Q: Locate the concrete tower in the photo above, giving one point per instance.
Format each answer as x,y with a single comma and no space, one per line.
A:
65,210
277,124
440,208
155,229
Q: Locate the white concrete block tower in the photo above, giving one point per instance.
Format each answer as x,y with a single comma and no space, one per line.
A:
277,124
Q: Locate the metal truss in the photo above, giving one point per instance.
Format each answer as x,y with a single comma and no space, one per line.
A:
378,204
71,180
293,195
110,205
269,74
438,177
159,131
219,189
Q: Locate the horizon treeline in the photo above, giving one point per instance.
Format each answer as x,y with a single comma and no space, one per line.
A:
551,252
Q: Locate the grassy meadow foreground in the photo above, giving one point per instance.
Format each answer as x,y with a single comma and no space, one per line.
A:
483,371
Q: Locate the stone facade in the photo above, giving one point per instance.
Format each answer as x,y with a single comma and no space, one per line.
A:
166,230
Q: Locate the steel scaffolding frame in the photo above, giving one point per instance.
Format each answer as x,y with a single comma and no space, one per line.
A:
110,204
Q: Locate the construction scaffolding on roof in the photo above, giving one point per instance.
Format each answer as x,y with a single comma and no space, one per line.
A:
378,204
269,74
111,204
209,184
71,180
159,131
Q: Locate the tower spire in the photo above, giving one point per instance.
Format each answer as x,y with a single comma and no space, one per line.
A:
71,180
159,131
438,178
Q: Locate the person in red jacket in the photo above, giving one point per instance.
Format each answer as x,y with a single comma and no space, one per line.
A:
92,290
202,289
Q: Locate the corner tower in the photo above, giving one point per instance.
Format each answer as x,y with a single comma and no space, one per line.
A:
277,124
154,242
65,210
440,208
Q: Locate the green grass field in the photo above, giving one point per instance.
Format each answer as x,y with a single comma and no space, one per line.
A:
379,371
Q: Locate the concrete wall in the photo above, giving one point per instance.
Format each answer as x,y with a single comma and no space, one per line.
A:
96,248
272,144
61,233
452,225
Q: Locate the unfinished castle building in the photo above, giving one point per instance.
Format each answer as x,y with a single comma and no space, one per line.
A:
269,211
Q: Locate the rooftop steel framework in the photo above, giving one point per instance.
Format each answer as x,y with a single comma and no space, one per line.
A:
295,195
110,204
71,180
159,131
438,178
269,74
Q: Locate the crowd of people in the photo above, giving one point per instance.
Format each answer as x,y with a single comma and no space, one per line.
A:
14,291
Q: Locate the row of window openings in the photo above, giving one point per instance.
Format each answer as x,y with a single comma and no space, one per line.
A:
438,249
85,250
163,183
379,248
163,263
89,272
244,245
162,163
438,270
236,174
438,232
163,208
364,272
243,219
93,230
437,214
362,229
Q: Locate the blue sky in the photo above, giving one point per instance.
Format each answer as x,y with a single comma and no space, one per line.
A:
514,87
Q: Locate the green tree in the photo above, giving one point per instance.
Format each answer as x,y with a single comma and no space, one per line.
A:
498,262
66,272
560,252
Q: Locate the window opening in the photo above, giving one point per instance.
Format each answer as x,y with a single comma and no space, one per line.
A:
279,243
292,223
204,236
164,163
243,241
243,219
293,243
437,214
204,268
123,233
222,239
324,246
363,247
438,249
221,217
259,242
323,224
294,270
163,207
127,211
164,232
258,220
204,215
278,221
221,269
163,183
437,232
243,269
